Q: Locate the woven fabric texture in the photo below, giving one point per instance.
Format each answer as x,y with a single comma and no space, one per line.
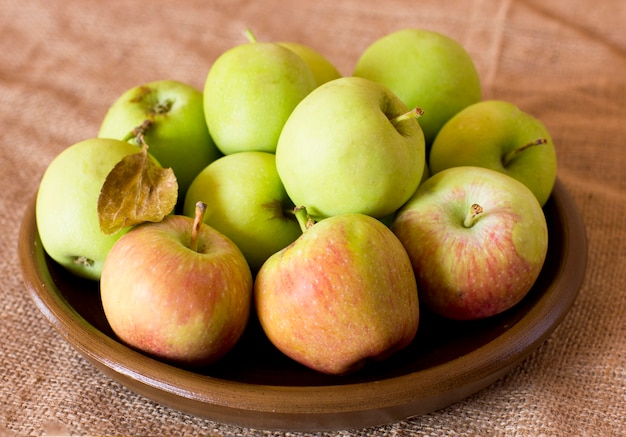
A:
63,63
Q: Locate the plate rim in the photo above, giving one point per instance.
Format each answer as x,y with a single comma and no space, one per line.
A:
331,407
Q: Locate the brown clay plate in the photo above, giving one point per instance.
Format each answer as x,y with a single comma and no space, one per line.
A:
255,386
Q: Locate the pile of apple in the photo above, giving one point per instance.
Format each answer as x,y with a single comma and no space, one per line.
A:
330,206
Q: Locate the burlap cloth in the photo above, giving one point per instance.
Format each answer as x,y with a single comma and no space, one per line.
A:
63,62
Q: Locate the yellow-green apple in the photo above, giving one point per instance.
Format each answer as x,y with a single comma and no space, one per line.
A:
498,135
67,205
170,116
323,70
351,146
247,202
477,240
249,92
342,294
177,290
425,69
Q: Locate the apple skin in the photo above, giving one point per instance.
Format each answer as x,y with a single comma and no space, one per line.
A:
182,306
178,137
67,205
246,201
340,153
249,92
468,273
484,133
323,70
341,295
425,69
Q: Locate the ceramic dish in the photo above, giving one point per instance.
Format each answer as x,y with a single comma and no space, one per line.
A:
255,386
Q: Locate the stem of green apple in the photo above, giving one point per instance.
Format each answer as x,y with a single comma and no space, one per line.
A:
413,113
472,215
197,223
304,219
250,36
515,152
138,131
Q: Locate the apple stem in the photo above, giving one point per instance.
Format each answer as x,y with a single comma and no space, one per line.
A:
304,219
513,153
197,223
413,113
250,36
138,131
472,215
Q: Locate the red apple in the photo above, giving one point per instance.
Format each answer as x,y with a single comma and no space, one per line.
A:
477,239
342,294
178,290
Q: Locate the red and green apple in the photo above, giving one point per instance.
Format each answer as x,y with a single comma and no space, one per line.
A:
477,240
341,295
177,290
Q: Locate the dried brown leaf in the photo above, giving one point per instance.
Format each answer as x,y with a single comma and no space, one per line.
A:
137,190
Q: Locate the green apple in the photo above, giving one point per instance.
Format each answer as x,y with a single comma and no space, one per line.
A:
351,146
496,134
176,133
425,69
247,202
249,92
177,290
342,294
323,70
67,205
477,240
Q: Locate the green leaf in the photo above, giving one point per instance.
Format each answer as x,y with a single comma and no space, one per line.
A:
137,190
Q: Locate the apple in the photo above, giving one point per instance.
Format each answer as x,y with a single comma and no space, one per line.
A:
67,205
247,202
477,240
249,92
177,290
498,135
323,70
175,131
342,294
425,69
351,146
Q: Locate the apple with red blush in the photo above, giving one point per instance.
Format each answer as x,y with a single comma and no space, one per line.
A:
177,290
477,240
341,295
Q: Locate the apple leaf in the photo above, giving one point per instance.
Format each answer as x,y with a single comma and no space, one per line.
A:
137,190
